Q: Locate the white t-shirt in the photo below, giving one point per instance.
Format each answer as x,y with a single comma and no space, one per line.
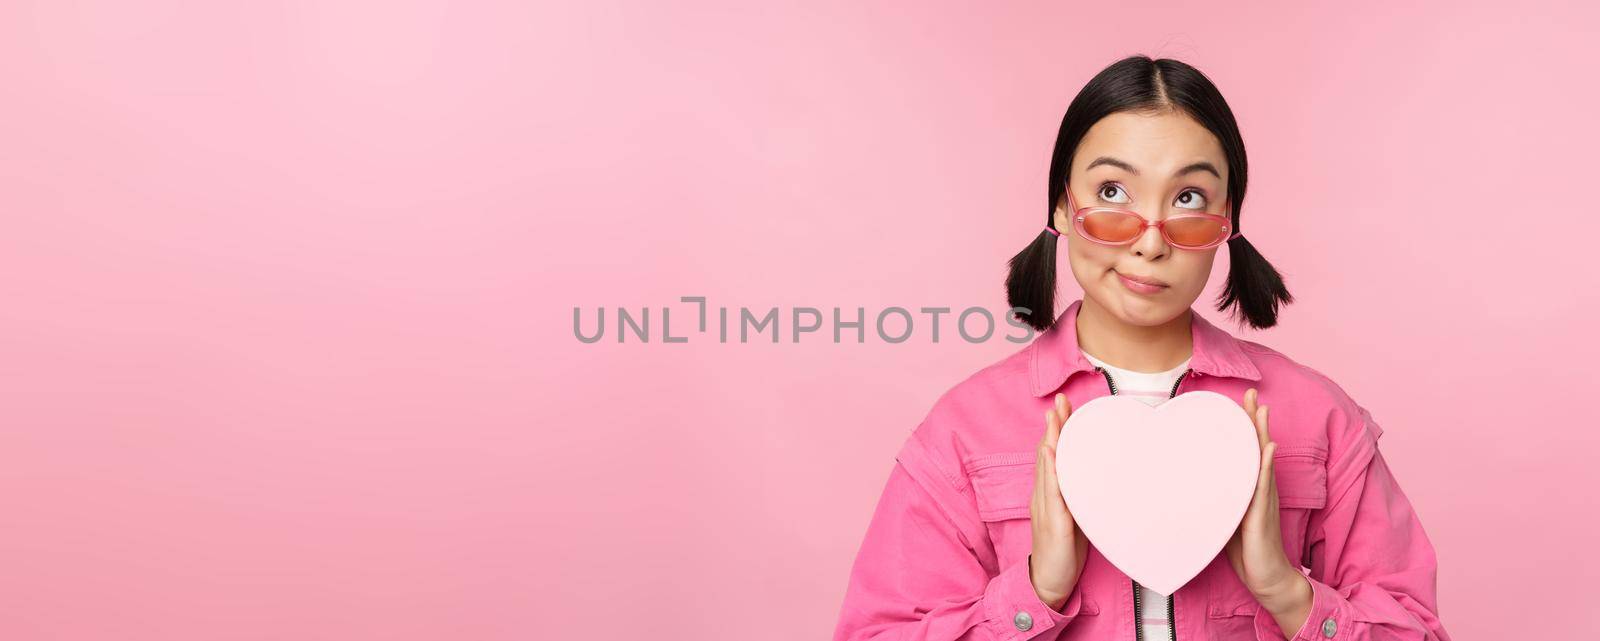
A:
1153,388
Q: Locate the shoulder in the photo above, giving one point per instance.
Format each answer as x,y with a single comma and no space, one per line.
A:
991,410
1310,409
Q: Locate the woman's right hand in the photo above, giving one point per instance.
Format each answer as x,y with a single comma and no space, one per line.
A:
1059,547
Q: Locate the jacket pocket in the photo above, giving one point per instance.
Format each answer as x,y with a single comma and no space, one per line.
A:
1002,483
1302,478
1302,475
1230,608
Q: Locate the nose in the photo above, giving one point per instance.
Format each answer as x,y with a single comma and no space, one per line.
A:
1151,244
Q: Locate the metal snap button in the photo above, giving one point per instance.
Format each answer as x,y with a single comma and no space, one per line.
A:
1023,621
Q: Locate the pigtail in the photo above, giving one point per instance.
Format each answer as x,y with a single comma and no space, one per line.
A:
1254,286
1031,285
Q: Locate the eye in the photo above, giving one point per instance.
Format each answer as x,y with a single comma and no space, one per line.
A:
1108,192
1191,199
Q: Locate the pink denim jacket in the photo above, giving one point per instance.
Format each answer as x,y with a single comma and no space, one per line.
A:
945,555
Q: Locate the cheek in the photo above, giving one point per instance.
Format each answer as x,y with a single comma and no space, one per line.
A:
1090,263
1194,271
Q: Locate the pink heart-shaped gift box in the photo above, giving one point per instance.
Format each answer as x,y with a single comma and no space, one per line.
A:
1159,490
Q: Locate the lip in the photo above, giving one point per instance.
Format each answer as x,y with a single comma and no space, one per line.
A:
1139,284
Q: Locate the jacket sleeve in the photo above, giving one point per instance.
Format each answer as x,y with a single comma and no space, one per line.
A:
1373,569
925,570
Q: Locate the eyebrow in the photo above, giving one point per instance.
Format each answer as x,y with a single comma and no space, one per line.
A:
1123,165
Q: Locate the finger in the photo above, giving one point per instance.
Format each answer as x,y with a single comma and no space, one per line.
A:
1049,421
1038,468
1264,482
1052,433
1052,484
1038,507
1259,417
1252,409
1052,487
1052,428
1259,498
1271,471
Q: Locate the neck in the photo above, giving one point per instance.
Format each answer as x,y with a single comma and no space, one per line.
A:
1141,348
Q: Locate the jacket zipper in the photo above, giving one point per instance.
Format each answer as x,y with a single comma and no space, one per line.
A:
1138,614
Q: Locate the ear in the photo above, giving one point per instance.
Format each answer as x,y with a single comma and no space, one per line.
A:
1062,218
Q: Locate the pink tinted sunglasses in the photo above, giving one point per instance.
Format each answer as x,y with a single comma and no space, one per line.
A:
1112,226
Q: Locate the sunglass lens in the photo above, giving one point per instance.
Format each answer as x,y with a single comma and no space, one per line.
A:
1193,232
1111,227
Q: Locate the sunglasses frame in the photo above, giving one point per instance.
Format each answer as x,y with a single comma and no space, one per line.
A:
1079,214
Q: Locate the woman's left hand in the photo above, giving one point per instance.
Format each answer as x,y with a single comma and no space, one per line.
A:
1256,549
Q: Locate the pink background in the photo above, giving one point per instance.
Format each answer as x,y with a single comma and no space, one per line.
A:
288,287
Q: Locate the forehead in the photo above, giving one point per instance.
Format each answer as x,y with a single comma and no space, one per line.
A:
1155,143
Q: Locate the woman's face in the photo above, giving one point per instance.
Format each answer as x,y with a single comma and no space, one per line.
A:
1157,165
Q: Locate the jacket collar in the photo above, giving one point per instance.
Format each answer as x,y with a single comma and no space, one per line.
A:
1056,356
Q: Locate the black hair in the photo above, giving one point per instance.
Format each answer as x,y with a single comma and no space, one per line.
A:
1140,84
